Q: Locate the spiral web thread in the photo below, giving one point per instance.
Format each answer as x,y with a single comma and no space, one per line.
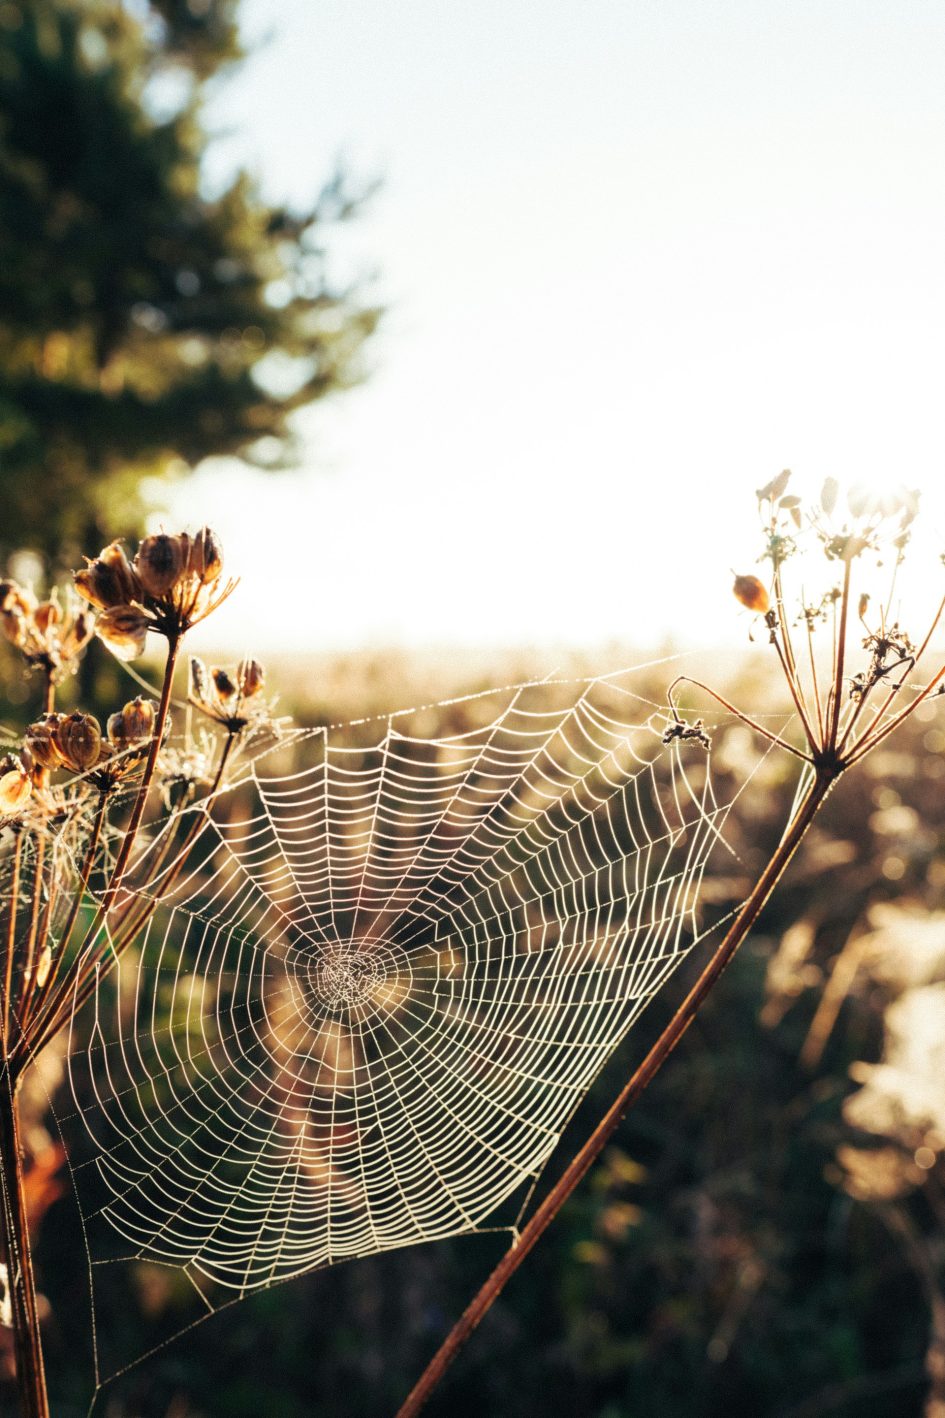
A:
385,979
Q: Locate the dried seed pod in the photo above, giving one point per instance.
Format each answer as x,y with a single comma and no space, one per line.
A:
80,740
109,580
79,633
863,603
199,680
138,718
251,677
15,789
206,556
224,685
828,496
750,591
42,742
124,630
159,563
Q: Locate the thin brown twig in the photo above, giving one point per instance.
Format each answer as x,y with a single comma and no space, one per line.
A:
745,718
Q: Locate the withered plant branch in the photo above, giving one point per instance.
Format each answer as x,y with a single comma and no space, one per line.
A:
887,702
820,786
745,718
127,931
86,966
76,905
868,740
78,988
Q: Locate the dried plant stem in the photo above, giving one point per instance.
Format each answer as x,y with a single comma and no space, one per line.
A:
85,969
21,1287
79,896
820,786
11,937
137,812
836,702
765,733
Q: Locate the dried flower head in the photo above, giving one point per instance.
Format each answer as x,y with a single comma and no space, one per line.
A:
172,584
225,695
51,636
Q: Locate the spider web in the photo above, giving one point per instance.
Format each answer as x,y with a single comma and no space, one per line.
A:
397,955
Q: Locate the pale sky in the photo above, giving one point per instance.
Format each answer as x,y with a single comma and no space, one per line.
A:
639,256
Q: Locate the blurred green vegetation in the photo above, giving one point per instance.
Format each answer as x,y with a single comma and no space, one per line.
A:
146,321
765,1236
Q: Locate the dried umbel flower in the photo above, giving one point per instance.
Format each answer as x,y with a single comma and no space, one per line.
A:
124,630
79,739
223,695
170,586
49,634
752,594
16,785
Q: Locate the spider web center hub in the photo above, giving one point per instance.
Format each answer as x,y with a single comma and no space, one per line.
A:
348,975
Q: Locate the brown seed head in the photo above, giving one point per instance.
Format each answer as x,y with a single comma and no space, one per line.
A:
42,742
750,591
109,580
80,741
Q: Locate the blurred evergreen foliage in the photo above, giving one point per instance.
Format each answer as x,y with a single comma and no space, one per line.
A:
146,323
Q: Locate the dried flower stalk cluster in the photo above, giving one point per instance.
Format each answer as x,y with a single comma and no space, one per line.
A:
842,717
79,803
